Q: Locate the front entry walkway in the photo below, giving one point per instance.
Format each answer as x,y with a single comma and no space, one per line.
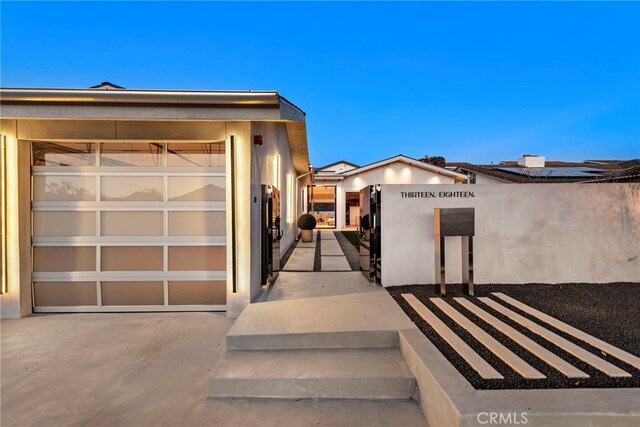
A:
320,335
328,249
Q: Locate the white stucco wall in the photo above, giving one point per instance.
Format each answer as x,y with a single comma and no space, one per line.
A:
271,164
527,233
394,173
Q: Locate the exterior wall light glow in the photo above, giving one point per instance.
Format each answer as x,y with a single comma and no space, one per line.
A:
3,215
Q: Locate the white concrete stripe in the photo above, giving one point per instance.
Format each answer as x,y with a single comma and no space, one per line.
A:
507,356
566,345
595,342
481,366
302,259
542,353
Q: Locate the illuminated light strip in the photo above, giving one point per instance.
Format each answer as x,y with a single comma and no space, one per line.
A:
481,366
523,341
557,340
577,333
234,271
3,214
506,355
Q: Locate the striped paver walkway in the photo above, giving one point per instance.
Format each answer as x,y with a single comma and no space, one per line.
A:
332,257
501,327
574,332
484,369
507,356
555,339
542,353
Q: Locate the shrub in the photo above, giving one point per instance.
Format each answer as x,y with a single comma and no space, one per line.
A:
306,222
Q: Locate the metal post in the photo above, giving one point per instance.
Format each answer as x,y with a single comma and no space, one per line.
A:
467,264
470,290
440,262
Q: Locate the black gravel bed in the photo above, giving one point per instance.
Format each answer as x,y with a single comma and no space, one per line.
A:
597,309
350,252
317,261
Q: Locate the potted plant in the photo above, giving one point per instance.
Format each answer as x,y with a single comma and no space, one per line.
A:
307,223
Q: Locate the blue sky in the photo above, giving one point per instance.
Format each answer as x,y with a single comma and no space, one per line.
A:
475,82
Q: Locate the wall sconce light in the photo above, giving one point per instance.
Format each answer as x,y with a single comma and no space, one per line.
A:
257,140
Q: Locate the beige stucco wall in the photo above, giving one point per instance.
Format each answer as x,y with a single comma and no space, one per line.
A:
16,302
545,233
271,164
241,131
394,173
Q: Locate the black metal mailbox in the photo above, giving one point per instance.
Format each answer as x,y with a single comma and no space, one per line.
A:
449,222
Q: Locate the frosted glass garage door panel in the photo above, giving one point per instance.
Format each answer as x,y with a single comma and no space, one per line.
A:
197,258
80,223
206,155
197,224
64,294
64,258
132,258
126,154
64,188
64,154
202,292
132,223
132,188
132,293
196,189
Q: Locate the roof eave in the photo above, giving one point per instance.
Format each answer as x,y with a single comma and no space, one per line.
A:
137,96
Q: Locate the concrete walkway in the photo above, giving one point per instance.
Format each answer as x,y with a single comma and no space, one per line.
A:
332,257
147,369
152,369
303,256
320,335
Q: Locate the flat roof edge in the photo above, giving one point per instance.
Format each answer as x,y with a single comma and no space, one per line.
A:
98,96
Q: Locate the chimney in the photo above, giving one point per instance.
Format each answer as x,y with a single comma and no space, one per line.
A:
531,161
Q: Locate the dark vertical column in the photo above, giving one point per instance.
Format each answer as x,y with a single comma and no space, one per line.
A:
470,290
441,269
467,264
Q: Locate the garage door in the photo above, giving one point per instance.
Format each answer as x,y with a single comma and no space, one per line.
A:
128,226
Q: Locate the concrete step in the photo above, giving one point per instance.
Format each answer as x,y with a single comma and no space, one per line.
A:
351,321
314,340
296,374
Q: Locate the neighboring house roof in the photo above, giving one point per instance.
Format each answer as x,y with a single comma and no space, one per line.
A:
398,158
554,171
320,169
631,174
106,86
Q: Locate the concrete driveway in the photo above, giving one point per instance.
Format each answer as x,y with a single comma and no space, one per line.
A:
147,369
